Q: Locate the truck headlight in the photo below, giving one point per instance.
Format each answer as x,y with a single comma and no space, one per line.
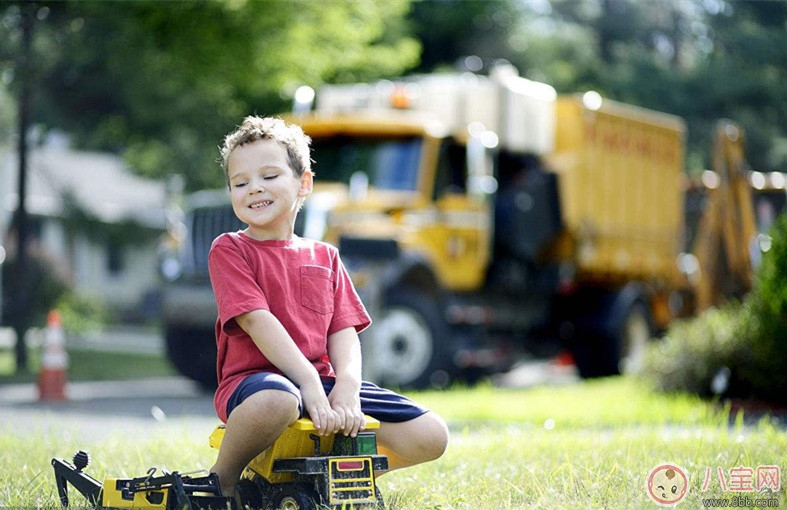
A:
366,444
171,269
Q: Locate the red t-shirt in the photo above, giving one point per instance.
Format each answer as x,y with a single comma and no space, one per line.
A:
302,282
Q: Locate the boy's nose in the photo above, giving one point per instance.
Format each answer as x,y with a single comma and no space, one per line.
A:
256,186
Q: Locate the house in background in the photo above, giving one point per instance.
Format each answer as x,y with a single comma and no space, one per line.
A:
94,221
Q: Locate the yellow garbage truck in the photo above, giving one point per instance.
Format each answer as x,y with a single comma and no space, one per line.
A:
485,218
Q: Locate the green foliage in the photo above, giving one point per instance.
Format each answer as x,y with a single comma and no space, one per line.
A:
741,79
42,286
166,80
162,82
762,364
7,117
771,279
82,314
767,324
693,351
748,339
700,60
452,29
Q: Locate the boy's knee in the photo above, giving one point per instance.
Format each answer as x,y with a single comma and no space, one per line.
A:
287,406
435,438
426,439
275,405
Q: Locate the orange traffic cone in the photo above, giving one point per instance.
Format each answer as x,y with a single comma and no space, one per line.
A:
54,361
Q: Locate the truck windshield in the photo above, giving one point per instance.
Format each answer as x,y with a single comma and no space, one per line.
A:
389,163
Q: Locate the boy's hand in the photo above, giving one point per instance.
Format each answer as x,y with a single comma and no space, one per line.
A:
316,404
346,401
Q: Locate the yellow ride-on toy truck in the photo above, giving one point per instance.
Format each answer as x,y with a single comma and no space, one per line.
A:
301,471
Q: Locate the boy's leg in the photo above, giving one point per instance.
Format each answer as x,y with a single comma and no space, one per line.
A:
253,426
414,441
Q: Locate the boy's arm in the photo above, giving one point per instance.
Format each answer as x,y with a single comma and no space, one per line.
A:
344,350
277,346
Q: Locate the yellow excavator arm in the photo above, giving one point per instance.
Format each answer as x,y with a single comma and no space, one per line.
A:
727,227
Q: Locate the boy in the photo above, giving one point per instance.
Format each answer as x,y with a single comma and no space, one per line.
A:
289,318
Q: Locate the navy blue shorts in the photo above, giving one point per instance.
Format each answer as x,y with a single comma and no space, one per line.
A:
380,403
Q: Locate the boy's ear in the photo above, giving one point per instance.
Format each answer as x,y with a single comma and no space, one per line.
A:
307,183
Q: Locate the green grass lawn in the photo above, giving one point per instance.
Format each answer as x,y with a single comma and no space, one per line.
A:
589,445
87,365
586,445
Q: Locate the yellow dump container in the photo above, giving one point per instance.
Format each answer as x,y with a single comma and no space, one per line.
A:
620,171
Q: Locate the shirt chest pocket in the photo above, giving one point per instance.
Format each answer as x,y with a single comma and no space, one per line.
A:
317,289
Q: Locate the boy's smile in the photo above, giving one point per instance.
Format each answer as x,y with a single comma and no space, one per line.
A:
257,205
264,191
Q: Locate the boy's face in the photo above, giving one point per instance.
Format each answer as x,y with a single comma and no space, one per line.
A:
264,191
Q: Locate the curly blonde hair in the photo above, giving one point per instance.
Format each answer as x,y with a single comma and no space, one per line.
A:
290,136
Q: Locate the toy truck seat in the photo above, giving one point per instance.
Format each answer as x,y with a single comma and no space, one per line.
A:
299,440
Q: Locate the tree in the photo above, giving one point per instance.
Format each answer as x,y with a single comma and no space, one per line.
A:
161,82
451,30
743,78
699,59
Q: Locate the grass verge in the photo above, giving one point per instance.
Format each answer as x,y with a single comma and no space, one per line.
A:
586,445
87,365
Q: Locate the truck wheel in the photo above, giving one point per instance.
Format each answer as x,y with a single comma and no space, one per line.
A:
589,351
617,343
193,353
294,496
250,495
406,346
634,333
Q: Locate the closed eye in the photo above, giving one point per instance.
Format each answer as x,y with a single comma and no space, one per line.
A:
239,184
270,177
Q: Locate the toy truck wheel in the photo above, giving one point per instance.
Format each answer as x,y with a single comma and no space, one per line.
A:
380,503
294,496
250,494
407,344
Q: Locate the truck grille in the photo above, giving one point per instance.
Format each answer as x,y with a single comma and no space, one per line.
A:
351,480
206,224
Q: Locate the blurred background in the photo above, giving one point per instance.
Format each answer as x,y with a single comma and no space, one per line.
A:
111,114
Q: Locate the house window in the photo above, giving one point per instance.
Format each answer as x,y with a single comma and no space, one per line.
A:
115,258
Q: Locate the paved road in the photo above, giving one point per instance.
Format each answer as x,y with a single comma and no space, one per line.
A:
94,409
97,409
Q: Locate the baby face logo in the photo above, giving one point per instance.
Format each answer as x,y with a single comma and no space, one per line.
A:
667,484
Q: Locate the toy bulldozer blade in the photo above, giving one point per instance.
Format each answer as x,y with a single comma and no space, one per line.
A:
169,491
